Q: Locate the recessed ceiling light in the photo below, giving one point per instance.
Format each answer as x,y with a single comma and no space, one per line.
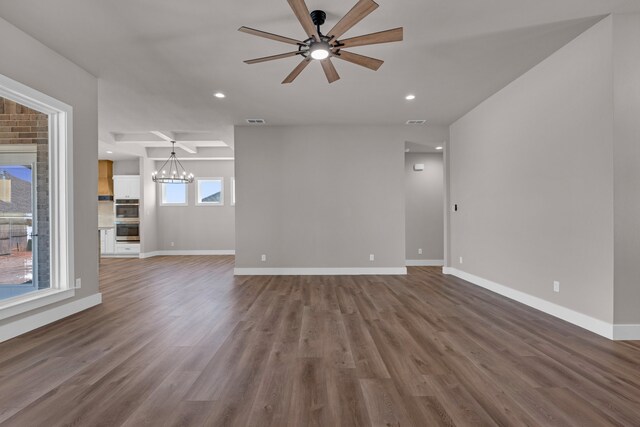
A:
410,97
438,148
406,150
219,95
109,152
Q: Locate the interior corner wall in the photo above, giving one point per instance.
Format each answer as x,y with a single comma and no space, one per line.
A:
321,197
626,60
199,228
531,170
148,208
31,63
424,200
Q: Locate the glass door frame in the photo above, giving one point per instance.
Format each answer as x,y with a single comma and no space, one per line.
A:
15,158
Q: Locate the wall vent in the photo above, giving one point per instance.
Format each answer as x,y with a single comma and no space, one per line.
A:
416,122
256,121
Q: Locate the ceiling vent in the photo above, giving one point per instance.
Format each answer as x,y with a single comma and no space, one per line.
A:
256,121
416,122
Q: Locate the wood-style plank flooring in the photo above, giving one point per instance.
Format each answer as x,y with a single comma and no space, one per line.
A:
180,341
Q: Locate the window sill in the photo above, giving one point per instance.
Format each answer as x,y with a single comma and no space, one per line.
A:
24,303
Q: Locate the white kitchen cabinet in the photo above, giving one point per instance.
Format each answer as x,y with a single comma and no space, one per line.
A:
126,187
127,248
107,241
110,238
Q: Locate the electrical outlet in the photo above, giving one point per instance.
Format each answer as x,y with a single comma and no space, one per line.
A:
264,258
556,286
372,257
78,283
460,260
172,244
420,251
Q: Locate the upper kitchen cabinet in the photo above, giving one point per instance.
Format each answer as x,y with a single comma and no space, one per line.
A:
126,186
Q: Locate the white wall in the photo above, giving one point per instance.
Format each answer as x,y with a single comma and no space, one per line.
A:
424,194
27,61
321,197
626,60
531,169
198,228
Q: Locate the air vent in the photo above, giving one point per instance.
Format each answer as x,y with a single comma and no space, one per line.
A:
416,122
256,121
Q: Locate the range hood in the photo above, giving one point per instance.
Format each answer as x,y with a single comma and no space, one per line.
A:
105,180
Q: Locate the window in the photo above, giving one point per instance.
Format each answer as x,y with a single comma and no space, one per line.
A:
174,195
36,224
210,192
233,191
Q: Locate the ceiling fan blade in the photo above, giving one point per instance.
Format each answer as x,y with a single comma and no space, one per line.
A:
296,71
329,70
269,35
302,13
387,36
355,15
365,61
271,58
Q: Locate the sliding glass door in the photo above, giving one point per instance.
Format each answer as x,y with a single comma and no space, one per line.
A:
18,224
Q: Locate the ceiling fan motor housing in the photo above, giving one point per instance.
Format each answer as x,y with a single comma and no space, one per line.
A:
318,17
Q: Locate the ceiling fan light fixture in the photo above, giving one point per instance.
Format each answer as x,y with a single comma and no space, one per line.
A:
320,50
325,47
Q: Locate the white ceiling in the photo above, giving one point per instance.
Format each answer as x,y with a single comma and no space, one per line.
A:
159,61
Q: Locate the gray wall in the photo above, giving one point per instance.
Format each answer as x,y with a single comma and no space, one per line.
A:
148,208
321,196
28,61
199,227
424,193
627,167
532,173
126,167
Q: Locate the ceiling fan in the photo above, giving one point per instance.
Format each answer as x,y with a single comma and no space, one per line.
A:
323,47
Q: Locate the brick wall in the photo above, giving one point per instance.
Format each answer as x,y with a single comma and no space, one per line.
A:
22,125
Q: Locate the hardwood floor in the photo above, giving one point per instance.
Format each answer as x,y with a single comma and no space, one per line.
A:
179,341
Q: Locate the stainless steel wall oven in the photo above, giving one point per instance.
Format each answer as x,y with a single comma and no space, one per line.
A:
127,209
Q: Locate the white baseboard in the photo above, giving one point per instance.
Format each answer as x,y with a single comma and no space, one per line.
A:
626,332
29,323
320,271
589,323
188,252
143,255
424,262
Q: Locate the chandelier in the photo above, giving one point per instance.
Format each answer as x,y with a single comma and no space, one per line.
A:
172,171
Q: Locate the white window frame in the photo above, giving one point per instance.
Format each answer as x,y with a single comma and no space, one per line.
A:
186,196
197,191
233,191
62,283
